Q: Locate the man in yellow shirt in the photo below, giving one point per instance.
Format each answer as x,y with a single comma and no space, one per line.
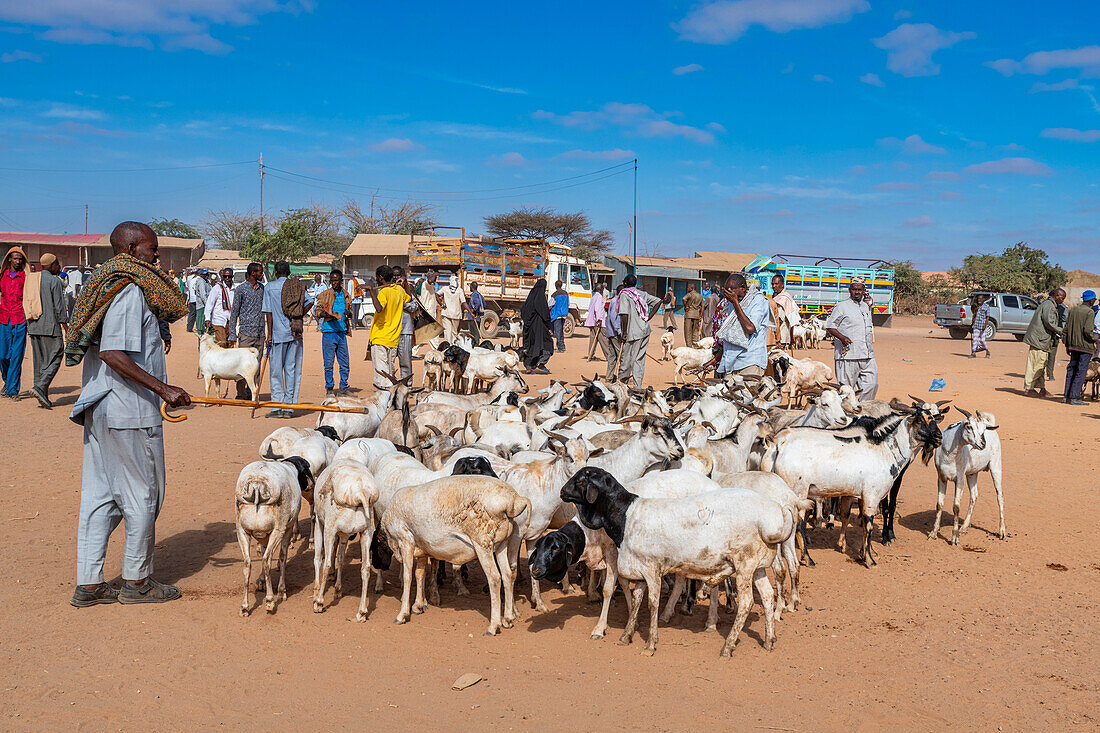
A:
389,301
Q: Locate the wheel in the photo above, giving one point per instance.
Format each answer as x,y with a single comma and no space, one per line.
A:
490,324
569,325
366,319
990,330
1019,336
958,332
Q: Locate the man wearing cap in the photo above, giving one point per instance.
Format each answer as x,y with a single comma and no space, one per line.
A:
849,324
1080,345
1039,337
13,320
46,330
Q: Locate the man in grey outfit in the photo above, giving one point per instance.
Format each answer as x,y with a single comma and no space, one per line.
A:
47,331
123,383
634,308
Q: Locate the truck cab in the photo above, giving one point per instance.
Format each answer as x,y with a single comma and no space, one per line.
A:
577,279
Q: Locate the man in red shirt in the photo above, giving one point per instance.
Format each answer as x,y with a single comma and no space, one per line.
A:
13,322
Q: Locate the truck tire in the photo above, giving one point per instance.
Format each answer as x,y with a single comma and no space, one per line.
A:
570,325
958,332
490,324
366,319
990,330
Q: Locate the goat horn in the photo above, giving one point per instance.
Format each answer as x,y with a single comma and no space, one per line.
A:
964,412
455,430
941,403
434,429
556,436
629,418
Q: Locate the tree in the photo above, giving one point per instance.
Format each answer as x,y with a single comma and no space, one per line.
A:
322,225
290,242
542,223
594,244
228,228
388,218
1018,269
174,228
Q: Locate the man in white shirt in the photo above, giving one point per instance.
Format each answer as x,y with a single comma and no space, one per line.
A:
199,289
849,324
454,302
189,293
219,304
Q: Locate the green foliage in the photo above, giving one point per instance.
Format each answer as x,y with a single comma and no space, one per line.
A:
1018,269
908,281
913,294
174,228
290,242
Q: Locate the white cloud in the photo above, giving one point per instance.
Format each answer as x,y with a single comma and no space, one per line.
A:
177,25
17,55
903,14
1013,147
1086,58
642,119
727,20
72,112
910,46
1010,166
924,220
1060,86
687,69
822,78
508,160
616,154
872,79
1068,133
394,145
912,145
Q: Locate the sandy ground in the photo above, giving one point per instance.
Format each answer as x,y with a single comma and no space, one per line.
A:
988,635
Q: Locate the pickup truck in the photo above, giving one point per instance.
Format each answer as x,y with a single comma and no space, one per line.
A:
1008,312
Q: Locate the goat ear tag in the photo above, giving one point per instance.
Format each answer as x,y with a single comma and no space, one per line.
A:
705,514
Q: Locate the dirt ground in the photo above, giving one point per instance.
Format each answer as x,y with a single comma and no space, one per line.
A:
992,634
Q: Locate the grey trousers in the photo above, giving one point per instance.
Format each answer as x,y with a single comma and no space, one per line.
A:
381,358
860,374
123,480
614,347
597,336
47,352
632,364
286,370
405,354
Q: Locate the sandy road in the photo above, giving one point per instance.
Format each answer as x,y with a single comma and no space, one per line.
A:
991,634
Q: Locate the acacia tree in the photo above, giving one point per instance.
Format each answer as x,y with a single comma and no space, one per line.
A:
322,225
1018,269
228,228
290,242
173,228
572,229
387,217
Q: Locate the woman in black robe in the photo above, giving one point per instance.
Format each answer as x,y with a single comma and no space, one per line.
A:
538,342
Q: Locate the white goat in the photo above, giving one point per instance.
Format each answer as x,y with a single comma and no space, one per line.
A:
799,375
969,447
355,424
217,363
666,345
688,358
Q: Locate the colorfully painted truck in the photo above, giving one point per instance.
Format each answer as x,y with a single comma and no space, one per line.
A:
819,283
505,269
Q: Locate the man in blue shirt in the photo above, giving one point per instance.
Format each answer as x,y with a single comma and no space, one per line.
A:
285,358
332,312
558,313
744,345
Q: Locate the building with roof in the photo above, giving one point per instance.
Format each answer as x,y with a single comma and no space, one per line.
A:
89,250
368,251
657,274
216,259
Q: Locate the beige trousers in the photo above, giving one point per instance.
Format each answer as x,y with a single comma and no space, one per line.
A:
1035,372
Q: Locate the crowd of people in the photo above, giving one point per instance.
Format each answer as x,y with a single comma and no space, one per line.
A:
1077,327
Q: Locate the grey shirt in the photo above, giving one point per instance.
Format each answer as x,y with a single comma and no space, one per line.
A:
55,308
636,327
273,304
246,314
853,320
128,326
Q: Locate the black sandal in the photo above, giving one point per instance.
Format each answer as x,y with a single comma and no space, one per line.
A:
103,593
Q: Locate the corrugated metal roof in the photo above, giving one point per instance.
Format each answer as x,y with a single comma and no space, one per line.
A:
93,240
378,244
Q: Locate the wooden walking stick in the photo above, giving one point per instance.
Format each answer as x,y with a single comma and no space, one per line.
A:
254,405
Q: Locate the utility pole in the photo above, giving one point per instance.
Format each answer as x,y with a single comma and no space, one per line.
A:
634,230
85,218
261,192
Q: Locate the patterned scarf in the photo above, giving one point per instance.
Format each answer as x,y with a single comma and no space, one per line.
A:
96,295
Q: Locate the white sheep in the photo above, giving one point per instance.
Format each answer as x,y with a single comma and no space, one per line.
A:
217,363
969,447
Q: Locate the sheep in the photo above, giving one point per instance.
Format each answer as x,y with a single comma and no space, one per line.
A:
344,499
799,375
666,344
364,450
709,537
355,424
830,409
217,363
277,444
456,519
866,460
515,331
511,382
1092,376
688,358
268,498
968,448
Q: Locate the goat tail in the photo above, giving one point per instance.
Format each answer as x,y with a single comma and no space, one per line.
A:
805,505
519,506
773,533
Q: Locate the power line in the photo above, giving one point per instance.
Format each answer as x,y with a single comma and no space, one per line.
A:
623,165
126,170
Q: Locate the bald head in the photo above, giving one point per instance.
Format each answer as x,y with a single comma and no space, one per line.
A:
736,287
135,238
1058,295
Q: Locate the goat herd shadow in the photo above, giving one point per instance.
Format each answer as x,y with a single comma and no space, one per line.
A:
185,554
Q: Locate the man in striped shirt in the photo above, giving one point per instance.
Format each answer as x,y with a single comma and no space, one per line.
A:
246,320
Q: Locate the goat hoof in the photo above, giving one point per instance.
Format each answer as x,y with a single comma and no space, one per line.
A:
710,630
647,652
540,607
506,623
769,645
624,641
418,609
246,611
269,607
361,617
932,535
596,637
401,620
492,632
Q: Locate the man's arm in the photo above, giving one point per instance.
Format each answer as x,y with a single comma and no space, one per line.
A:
270,328
1050,320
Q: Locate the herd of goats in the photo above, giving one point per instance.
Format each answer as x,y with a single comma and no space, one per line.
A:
697,488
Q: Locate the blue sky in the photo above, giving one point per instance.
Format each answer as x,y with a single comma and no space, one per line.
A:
924,131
